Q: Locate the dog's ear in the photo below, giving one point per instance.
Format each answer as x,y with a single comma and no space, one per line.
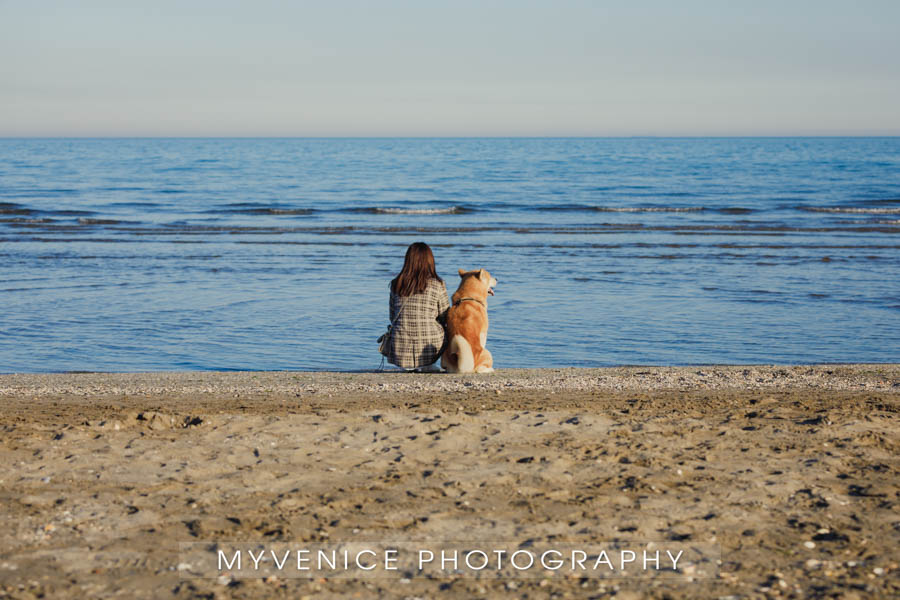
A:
481,274
462,273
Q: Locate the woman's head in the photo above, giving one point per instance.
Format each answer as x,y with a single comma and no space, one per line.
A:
418,270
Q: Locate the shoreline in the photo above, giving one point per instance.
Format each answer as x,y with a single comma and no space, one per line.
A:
837,376
789,472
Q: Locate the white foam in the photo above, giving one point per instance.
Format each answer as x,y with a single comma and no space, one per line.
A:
639,209
419,211
852,211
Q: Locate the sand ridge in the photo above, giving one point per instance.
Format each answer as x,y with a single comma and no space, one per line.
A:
882,377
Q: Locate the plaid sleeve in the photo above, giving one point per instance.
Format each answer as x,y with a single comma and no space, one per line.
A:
443,303
392,311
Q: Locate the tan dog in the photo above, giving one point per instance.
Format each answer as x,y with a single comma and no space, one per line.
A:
467,325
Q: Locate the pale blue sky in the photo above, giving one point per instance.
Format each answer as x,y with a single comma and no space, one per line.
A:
460,68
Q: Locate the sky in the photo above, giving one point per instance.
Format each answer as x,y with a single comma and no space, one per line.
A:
449,68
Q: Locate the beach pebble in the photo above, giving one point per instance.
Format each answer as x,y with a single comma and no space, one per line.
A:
37,501
809,545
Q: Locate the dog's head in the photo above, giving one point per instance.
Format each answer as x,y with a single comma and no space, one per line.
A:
483,276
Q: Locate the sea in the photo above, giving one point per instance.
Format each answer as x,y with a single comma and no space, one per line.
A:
276,254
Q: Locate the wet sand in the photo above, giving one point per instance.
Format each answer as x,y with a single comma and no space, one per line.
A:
791,471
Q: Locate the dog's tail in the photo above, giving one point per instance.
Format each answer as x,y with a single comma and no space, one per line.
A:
460,349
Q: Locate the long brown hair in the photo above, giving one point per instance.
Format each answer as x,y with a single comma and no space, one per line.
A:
418,270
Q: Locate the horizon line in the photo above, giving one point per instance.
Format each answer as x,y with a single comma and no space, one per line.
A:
433,137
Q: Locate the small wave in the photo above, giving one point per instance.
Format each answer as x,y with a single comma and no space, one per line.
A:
850,210
624,209
379,210
264,211
876,202
259,208
87,221
18,209
26,220
886,222
11,208
22,221
651,209
736,210
290,211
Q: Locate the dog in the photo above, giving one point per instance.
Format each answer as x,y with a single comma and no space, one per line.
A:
467,325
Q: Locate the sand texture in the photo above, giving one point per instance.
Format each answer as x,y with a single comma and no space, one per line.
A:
792,472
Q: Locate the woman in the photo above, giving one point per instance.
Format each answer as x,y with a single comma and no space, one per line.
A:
418,310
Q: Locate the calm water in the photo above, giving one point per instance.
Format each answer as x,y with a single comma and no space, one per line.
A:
132,255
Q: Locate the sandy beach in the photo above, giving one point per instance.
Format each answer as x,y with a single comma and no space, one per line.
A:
791,472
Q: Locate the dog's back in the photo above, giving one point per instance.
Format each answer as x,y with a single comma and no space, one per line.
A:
467,325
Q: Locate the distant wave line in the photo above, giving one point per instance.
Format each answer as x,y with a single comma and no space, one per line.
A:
390,210
728,210
850,210
620,209
126,229
262,211
88,221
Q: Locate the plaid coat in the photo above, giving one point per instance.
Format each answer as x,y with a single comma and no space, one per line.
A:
417,335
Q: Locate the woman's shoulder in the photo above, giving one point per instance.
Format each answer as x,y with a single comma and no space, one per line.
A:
433,286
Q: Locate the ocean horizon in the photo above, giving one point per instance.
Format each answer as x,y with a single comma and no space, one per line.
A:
451,137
